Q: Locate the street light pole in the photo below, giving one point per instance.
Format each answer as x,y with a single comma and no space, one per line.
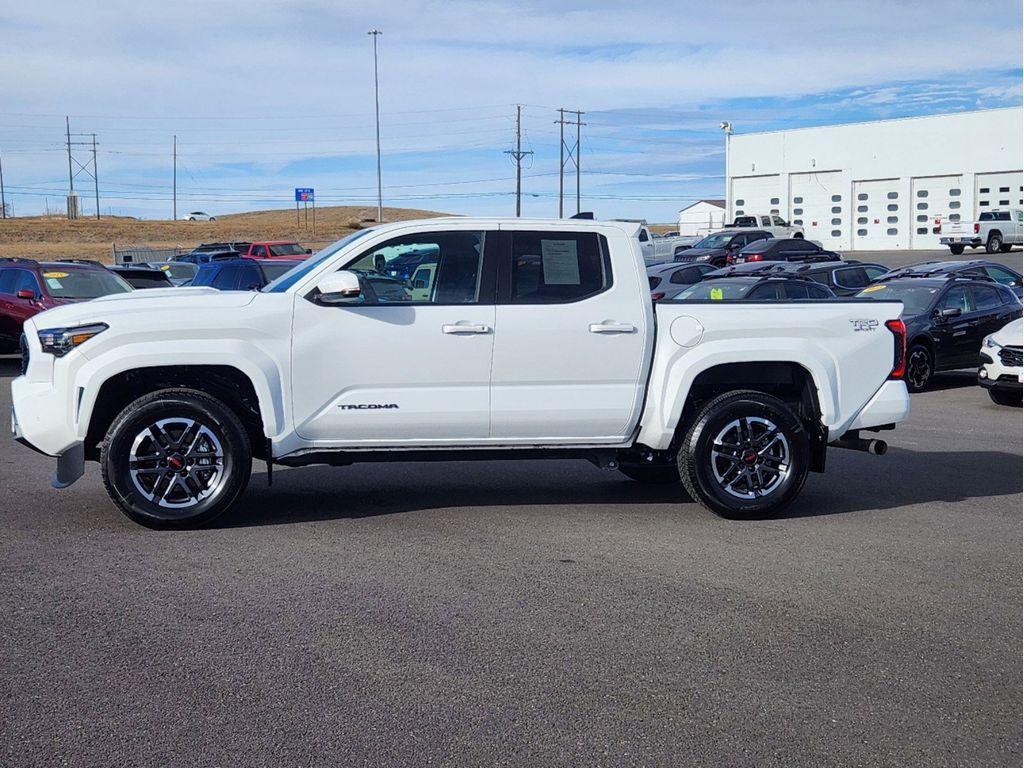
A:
376,103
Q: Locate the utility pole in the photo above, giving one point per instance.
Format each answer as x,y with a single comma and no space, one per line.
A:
89,167
95,177
566,154
3,198
517,154
376,103
174,178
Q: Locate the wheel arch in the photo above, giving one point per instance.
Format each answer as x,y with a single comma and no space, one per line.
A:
247,395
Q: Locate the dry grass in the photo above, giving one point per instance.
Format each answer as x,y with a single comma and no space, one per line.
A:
55,237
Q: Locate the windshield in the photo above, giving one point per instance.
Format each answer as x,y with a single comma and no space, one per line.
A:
288,249
70,283
299,271
180,270
916,298
714,241
715,290
274,271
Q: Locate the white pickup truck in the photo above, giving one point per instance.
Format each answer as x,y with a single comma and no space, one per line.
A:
996,231
529,339
774,224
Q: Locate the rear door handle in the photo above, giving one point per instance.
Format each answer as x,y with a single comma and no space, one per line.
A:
610,327
459,329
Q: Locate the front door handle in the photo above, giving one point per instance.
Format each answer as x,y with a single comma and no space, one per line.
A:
609,327
461,328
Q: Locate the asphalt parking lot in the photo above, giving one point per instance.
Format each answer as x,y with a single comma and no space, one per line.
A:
529,613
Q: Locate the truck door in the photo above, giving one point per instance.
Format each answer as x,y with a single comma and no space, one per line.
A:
571,343
406,365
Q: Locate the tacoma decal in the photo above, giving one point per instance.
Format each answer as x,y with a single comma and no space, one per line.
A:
369,407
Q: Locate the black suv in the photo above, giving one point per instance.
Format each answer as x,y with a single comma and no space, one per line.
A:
970,268
724,284
716,248
947,317
843,278
242,273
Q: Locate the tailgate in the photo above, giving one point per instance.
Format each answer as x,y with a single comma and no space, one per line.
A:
845,345
957,228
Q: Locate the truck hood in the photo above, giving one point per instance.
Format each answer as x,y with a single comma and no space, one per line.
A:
121,305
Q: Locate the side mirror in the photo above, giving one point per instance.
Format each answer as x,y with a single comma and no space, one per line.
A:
946,314
340,287
27,293
309,250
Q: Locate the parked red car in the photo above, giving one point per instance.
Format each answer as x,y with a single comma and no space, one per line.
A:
276,249
27,287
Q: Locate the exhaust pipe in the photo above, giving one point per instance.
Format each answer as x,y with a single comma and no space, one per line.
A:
855,443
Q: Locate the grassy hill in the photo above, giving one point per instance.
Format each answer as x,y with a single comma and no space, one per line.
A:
47,237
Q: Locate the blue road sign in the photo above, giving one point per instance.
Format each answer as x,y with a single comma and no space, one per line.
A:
302,194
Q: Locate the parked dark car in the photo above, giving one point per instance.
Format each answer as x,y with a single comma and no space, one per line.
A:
755,287
205,257
970,268
715,248
241,274
178,272
844,278
27,287
783,249
236,245
142,276
947,318
666,280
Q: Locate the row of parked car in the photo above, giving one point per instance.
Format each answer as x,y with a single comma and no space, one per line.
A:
952,309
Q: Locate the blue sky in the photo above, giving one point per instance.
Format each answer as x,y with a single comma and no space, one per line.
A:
267,95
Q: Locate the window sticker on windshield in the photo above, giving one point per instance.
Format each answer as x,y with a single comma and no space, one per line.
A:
561,262
872,288
54,275
715,294
165,267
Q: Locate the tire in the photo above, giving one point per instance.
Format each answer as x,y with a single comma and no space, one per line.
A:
726,481
175,428
659,474
798,236
1005,248
956,250
1004,397
995,242
920,368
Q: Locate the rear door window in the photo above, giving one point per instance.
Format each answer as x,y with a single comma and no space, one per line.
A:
1003,276
685,276
986,299
249,277
767,292
557,267
226,279
851,277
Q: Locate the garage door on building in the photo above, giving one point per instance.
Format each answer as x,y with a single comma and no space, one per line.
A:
820,206
880,219
756,194
998,190
933,200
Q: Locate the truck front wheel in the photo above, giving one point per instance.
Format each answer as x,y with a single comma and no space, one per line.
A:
745,455
175,458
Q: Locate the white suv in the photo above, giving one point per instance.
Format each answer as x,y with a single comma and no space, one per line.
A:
1001,371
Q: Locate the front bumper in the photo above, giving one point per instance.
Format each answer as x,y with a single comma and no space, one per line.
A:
993,374
70,461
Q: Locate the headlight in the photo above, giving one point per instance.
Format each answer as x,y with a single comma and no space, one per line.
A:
991,343
59,341
702,258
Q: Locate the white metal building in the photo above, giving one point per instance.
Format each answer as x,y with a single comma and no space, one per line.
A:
886,184
701,217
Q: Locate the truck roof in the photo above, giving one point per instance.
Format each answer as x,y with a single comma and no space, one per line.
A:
573,225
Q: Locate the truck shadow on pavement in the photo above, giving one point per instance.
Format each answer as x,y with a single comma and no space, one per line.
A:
852,483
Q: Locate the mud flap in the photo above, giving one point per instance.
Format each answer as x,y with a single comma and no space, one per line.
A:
70,466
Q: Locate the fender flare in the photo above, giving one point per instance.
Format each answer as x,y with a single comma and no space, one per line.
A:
249,359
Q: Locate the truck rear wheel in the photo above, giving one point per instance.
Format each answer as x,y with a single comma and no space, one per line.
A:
175,458
745,455
995,242
956,250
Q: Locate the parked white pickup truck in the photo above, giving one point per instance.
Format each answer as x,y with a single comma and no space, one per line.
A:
529,339
776,225
994,230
